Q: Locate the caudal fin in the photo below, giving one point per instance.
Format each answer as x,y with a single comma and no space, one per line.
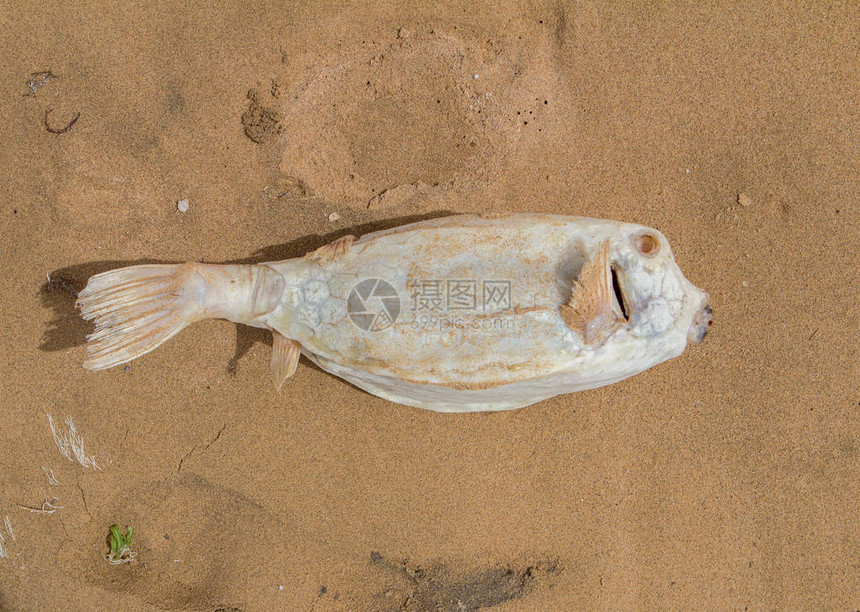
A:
135,309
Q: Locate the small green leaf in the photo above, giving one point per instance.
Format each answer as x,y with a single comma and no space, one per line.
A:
115,540
119,542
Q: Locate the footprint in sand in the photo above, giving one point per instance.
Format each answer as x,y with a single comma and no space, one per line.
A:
420,116
447,588
197,545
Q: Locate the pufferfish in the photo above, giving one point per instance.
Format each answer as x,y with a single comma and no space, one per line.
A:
463,313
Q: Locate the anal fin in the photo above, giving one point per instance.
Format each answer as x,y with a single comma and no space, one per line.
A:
285,358
332,251
592,310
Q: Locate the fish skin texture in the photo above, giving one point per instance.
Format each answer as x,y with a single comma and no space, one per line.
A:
478,309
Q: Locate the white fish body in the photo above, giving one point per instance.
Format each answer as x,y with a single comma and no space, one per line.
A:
456,314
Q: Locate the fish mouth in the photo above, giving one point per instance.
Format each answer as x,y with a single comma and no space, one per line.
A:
702,321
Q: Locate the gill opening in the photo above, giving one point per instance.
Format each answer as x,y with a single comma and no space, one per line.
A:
619,295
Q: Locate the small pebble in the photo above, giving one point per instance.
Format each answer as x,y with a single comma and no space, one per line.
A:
182,205
280,587
476,77
333,217
744,200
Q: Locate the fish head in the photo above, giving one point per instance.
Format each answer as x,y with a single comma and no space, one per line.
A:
655,297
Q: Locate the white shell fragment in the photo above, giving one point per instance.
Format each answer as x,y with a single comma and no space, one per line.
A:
182,206
462,313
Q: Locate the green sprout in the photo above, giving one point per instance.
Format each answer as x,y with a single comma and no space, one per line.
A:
119,545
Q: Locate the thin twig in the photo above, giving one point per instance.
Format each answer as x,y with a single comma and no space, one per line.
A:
47,507
52,480
63,130
72,443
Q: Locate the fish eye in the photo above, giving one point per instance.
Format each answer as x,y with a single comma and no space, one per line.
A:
647,244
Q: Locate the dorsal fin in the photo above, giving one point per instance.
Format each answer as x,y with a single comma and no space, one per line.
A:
334,250
590,312
285,357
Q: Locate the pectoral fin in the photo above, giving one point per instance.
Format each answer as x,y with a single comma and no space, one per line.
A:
593,310
285,358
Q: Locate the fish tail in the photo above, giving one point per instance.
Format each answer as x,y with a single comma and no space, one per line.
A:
135,310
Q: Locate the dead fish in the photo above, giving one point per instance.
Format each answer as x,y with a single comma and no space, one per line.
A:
458,314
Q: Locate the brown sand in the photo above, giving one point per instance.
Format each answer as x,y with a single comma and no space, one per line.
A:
724,479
